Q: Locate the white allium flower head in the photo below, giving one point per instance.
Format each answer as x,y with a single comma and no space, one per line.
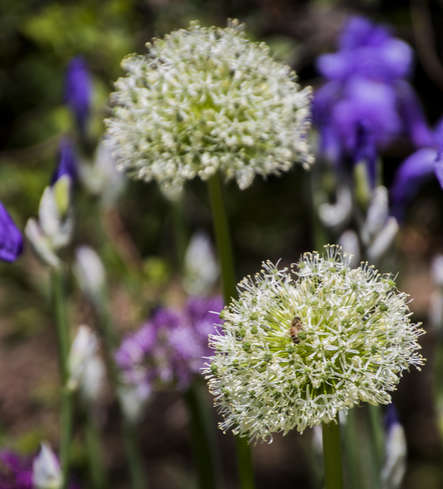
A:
302,343
206,99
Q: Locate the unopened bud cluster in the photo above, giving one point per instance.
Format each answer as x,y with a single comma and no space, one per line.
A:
301,344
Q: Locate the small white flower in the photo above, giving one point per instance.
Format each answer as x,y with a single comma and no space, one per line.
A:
53,229
301,344
200,267
46,473
133,399
90,272
394,467
204,100
349,242
377,213
383,240
102,178
41,244
437,270
86,369
337,214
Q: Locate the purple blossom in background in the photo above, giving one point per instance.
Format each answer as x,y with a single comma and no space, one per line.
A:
11,240
78,91
170,347
390,417
366,103
15,471
415,170
67,162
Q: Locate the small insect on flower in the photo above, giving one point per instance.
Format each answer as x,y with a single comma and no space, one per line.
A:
302,343
296,327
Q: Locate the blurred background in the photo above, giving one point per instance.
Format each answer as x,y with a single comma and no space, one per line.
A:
271,219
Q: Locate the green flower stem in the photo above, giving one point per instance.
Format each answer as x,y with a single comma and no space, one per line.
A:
134,458
222,238
377,441
179,231
223,241
352,453
203,436
332,455
319,233
93,444
59,307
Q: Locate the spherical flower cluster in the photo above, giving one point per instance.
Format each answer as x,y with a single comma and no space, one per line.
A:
169,349
301,344
204,100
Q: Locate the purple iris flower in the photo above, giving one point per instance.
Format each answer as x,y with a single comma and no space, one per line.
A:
367,50
11,240
390,417
170,348
366,103
415,170
78,91
67,162
15,471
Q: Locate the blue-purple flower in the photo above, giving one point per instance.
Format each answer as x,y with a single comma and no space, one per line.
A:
15,471
169,348
394,467
366,102
415,170
11,240
19,472
67,162
78,91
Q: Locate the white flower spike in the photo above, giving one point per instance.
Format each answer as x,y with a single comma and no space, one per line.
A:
301,344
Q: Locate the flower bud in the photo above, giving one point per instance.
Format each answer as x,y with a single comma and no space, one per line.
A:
90,272
101,177
395,448
383,240
86,370
437,270
41,244
133,398
349,242
201,269
338,214
46,473
377,213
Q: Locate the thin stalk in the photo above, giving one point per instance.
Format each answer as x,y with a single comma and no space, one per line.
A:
319,234
93,444
222,238
203,436
352,453
179,232
134,458
59,307
224,247
332,455
377,442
